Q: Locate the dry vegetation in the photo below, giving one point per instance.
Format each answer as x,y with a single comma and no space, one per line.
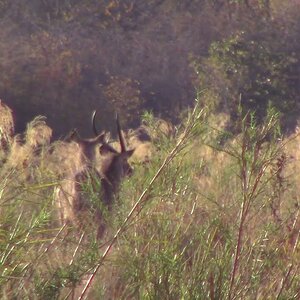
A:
212,209
220,220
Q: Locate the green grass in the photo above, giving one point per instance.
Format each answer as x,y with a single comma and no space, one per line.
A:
217,221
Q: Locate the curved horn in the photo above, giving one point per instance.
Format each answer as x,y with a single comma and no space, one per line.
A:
93,123
121,138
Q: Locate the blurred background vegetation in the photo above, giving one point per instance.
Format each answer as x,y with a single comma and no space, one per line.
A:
62,59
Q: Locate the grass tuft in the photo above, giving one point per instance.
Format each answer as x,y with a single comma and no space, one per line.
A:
210,216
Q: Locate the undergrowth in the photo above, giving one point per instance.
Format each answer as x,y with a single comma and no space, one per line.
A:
219,220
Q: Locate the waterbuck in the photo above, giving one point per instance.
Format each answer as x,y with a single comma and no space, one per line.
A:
102,168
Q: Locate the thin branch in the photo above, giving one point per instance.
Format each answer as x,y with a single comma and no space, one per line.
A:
191,125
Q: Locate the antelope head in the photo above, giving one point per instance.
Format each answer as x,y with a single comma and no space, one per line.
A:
101,159
114,165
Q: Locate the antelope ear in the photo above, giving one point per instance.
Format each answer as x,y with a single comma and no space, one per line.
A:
73,136
130,132
100,138
104,149
129,153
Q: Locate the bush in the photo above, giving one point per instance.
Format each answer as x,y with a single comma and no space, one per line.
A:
257,67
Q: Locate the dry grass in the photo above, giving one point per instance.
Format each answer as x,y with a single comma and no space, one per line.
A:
6,129
219,222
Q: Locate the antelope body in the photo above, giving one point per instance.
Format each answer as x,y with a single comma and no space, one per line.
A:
101,165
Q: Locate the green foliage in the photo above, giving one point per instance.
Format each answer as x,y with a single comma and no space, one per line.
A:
216,242
257,69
